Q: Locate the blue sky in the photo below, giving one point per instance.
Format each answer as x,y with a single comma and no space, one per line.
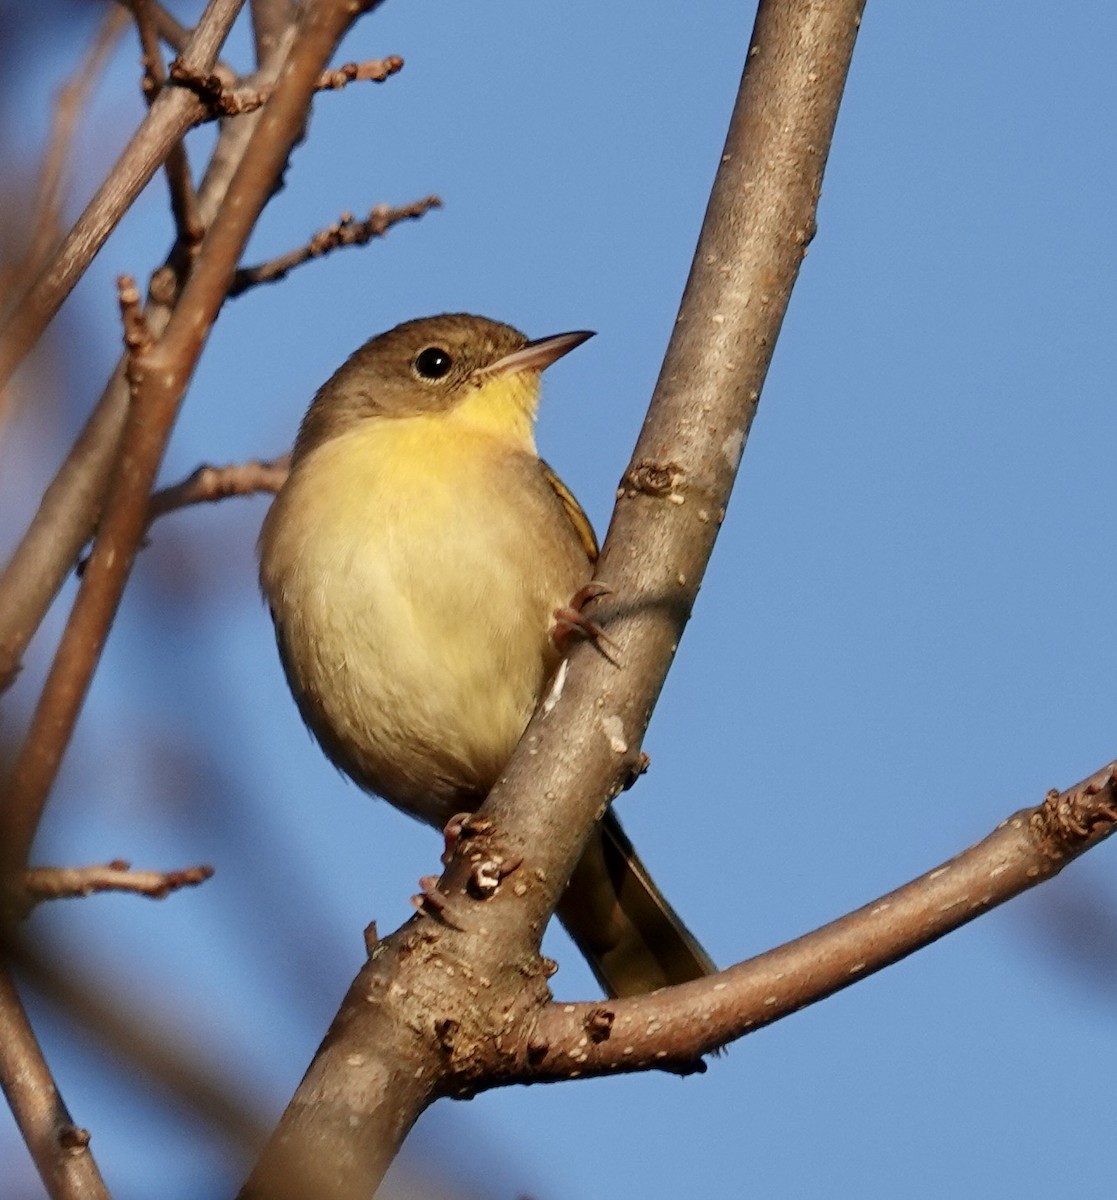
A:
906,632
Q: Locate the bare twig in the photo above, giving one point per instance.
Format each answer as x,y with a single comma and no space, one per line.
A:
137,333
347,231
59,1148
172,113
63,883
373,70
209,484
184,201
221,101
671,1029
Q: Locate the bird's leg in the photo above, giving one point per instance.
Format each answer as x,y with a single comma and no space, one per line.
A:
572,625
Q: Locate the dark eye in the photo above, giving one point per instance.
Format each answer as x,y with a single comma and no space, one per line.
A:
433,363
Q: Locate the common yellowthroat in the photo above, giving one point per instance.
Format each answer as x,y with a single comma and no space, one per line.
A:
414,562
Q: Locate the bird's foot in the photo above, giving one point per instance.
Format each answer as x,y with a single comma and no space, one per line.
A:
572,625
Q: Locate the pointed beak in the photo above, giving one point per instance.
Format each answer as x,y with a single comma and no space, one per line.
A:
535,356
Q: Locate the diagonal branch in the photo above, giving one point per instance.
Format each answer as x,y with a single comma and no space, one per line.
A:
344,232
671,1029
158,377
59,1147
68,108
170,116
71,505
448,993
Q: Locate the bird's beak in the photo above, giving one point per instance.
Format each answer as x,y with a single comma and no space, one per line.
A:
535,356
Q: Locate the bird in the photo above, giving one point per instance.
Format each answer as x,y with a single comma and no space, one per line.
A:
423,567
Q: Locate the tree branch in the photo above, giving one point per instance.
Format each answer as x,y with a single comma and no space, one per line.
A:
672,1028
72,504
220,101
344,232
453,989
68,108
158,377
184,201
67,883
59,1148
209,484
170,116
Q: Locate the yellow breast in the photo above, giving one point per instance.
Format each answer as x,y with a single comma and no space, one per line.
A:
413,566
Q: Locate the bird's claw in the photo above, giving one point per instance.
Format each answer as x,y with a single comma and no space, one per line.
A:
572,625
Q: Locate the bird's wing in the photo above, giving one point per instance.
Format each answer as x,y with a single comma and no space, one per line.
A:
573,510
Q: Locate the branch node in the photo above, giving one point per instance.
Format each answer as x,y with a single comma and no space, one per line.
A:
445,1031
73,1138
486,875
660,480
210,88
599,1024
430,902
137,335
1066,819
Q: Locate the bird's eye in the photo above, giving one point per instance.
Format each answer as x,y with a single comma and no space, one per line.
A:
433,363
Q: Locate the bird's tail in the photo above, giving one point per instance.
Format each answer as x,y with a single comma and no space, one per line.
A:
631,937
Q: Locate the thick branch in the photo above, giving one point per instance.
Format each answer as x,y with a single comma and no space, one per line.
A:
671,1029
465,975
760,218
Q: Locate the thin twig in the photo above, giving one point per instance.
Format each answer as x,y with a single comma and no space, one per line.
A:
220,100
66,883
346,231
209,484
59,1148
184,200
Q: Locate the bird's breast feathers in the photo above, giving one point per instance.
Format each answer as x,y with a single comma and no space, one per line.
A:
413,596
